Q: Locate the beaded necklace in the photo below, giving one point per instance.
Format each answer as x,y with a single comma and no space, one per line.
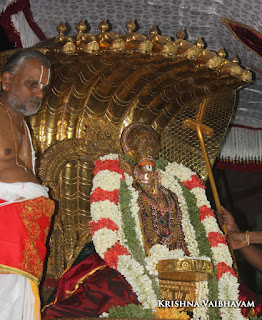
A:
161,218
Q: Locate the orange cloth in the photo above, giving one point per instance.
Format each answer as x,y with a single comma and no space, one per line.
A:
23,230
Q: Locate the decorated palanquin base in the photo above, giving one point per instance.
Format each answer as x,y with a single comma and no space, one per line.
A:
117,236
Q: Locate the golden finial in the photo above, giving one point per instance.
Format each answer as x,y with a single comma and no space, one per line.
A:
103,26
131,26
181,34
61,28
235,59
200,43
221,53
81,26
153,31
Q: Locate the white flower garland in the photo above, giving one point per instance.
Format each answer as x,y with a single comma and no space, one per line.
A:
227,284
140,282
200,313
134,207
135,274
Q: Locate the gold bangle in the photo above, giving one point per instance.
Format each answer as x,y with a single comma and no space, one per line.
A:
247,239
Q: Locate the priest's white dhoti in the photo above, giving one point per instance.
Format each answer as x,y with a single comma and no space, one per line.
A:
19,298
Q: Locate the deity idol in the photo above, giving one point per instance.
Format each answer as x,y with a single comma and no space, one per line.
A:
159,210
141,215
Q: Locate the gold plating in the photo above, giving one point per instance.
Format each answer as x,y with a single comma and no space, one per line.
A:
185,269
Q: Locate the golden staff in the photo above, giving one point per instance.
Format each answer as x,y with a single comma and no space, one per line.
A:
197,126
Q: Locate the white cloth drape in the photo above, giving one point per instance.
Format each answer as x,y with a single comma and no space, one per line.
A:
10,192
17,301
242,144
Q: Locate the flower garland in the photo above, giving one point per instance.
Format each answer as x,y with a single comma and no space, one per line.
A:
228,286
120,243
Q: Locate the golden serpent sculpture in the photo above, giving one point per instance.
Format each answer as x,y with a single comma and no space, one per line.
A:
100,84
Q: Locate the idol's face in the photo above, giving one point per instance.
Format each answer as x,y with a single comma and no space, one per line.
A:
25,89
144,173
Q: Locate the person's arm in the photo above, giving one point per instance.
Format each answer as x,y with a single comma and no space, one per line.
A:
243,241
255,237
253,255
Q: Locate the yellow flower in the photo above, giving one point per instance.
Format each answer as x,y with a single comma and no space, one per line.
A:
171,313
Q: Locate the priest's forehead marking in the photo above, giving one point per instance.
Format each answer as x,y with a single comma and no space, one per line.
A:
42,85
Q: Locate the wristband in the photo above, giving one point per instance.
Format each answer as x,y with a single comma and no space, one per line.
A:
247,239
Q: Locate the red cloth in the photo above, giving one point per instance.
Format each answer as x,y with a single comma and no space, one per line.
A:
6,22
23,229
249,36
245,294
248,166
89,289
